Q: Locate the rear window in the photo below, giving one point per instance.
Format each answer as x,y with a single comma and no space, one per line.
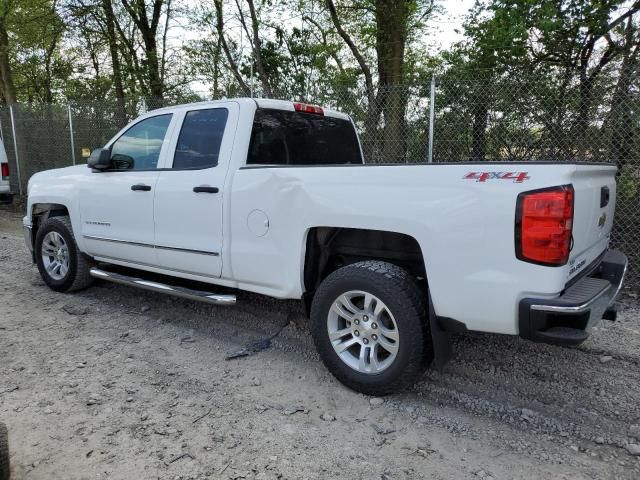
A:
292,138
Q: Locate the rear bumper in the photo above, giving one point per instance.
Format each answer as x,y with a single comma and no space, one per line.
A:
569,318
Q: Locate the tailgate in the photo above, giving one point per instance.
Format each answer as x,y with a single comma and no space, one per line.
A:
594,207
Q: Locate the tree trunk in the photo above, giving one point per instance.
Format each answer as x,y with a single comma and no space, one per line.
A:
479,130
480,104
153,66
581,125
233,66
48,81
9,97
121,117
163,60
369,137
257,51
137,9
217,56
391,36
6,76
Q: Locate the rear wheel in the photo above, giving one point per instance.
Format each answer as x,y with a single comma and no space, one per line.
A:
4,452
369,324
63,267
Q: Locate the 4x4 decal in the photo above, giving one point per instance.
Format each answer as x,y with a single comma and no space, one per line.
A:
517,177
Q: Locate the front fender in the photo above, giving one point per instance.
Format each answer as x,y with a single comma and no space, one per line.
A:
54,190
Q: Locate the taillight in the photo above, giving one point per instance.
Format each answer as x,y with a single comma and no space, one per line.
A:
306,108
544,219
5,170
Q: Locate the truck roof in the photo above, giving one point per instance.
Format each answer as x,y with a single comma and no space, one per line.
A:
260,102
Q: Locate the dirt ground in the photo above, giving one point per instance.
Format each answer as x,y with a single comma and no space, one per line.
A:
118,383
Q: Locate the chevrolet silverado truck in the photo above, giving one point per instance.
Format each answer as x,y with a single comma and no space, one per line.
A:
274,197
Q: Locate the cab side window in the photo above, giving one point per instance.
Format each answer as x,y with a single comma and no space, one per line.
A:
139,147
200,139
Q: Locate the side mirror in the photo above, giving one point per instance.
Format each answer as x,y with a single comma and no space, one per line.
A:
100,159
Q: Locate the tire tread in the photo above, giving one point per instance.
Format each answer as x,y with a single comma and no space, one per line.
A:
82,278
386,277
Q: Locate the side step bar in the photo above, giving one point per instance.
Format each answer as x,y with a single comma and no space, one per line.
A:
215,298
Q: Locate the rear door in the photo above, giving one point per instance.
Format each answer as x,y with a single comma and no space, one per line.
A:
594,208
190,191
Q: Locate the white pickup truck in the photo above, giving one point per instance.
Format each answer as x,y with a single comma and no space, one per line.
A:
274,197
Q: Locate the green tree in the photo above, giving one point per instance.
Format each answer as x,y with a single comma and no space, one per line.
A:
378,33
32,66
561,56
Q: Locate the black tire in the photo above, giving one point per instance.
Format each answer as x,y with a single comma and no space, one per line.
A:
77,277
4,452
408,305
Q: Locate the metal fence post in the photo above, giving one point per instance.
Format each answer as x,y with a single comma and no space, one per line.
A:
432,116
144,105
73,150
15,148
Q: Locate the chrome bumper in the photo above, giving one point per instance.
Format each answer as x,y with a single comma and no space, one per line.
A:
569,318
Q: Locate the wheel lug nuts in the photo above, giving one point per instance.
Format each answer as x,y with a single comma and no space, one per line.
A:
365,318
356,333
374,337
365,341
356,321
374,325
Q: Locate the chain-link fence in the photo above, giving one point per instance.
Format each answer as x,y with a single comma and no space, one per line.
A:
449,118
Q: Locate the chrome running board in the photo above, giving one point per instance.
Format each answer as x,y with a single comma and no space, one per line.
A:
215,298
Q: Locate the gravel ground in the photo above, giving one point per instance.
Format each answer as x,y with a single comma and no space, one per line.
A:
117,383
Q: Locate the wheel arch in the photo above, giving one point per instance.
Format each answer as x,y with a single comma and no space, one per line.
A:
329,248
41,211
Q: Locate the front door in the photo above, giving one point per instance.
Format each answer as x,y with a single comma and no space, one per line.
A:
190,192
116,205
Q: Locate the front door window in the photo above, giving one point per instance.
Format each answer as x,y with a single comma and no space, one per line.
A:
139,147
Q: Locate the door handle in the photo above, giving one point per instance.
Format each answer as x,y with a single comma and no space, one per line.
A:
140,187
604,197
205,189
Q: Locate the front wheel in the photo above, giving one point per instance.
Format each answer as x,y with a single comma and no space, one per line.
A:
369,324
63,267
